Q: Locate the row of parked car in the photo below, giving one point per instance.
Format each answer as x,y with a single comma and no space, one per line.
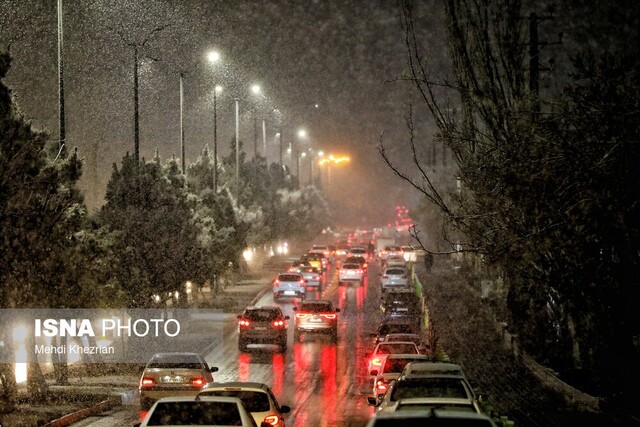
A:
408,386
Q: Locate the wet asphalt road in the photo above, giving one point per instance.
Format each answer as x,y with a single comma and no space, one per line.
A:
324,383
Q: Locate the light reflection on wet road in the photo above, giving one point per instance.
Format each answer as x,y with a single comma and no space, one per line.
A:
321,381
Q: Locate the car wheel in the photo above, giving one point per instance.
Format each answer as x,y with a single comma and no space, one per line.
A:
242,345
334,335
302,297
282,345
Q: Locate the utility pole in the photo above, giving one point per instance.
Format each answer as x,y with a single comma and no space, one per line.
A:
281,149
182,150
136,120
61,118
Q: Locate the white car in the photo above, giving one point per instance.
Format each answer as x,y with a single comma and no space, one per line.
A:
394,278
444,403
395,261
257,398
390,370
409,254
416,338
432,368
201,411
350,273
426,386
384,349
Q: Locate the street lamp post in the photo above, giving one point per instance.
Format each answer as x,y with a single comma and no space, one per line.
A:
237,101
299,157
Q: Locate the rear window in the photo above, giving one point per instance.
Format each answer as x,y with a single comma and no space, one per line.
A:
397,348
176,361
351,266
316,307
357,251
263,314
429,387
289,278
253,400
196,413
395,271
412,421
395,366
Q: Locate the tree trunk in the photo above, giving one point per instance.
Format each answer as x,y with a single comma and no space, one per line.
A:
36,384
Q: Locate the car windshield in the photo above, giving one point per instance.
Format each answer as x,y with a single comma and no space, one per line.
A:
429,387
195,413
397,348
253,400
175,361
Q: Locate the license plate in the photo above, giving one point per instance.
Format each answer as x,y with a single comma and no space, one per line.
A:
172,380
260,328
289,292
316,320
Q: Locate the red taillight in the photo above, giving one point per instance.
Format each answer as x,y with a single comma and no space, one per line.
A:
385,277
302,315
329,316
278,323
272,420
198,382
147,382
364,265
244,323
143,414
316,277
302,281
359,271
376,362
276,283
381,386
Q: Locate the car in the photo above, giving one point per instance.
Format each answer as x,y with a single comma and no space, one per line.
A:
311,274
317,316
394,278
389,251
442,403
432,418
198,410
173,374
262,325
342,249
442,386
350,272
359,251
398,324
409,254
322,249
399,301
357,260
289,285
432,368
395,261
424,349
390,370
257,398
382,350
316,259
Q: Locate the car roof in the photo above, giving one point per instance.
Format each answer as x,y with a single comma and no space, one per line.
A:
408,356
263,307
351,265
437,366
451,414
176,353
394,343
450,400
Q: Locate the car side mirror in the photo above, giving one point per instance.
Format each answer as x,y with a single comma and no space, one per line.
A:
337,310
239,316
287,317
372,401
214,369
284,409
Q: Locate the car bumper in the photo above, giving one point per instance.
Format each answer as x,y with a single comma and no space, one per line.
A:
267,336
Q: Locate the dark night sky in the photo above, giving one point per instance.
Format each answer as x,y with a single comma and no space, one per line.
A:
337,54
